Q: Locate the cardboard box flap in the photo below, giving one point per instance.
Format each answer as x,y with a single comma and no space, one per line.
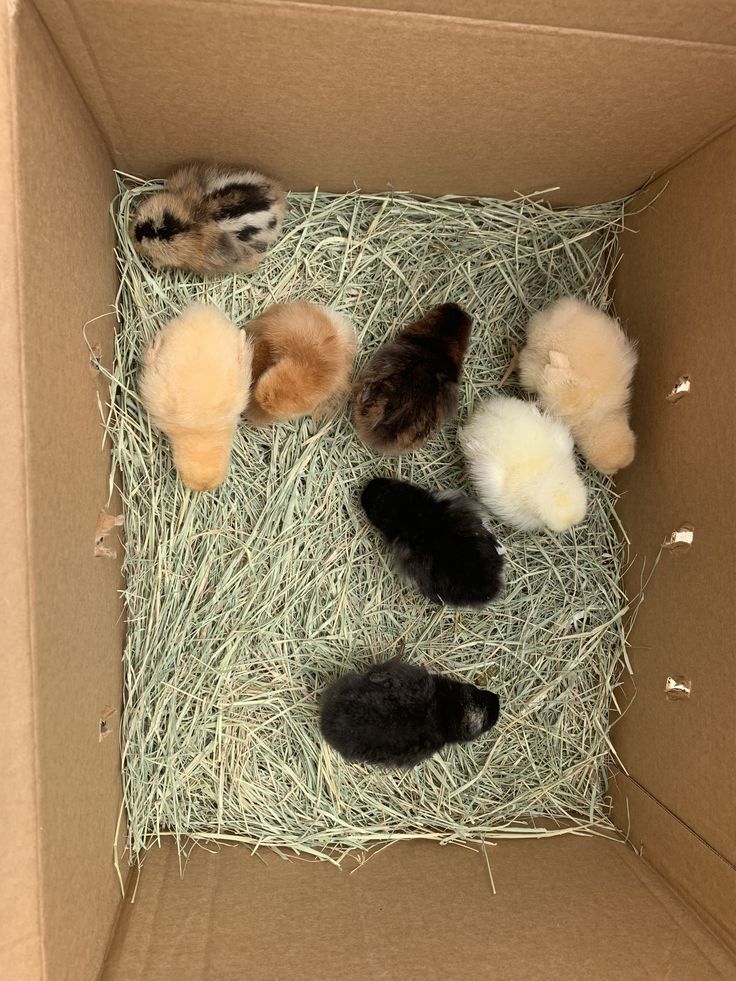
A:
685,20
573,908
676,288
63,670
333,95
695,870
21,951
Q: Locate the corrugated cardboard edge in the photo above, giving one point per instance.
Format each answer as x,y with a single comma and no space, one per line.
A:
696,872
21,949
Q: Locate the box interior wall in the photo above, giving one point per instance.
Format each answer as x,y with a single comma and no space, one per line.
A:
434,98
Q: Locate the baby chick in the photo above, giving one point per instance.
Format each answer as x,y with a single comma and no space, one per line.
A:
439,541
580,364
210,219
194,383
303,355
522,464
397,714
409,388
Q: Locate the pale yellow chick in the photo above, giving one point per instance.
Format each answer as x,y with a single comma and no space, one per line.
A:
580,364
522,463
195,382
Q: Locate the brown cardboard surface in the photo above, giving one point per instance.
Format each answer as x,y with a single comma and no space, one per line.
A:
336,95
21,952
686,20
66,276
696,871
676,290
435,105
571,908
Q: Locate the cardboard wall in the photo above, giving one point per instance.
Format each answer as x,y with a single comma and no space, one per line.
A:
686,20
426,102
64,665
136,65
676,290
572,908
20,916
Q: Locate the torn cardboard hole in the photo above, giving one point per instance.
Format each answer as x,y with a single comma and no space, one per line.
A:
681,539
677,687
105,726
105,524
95,354
680,389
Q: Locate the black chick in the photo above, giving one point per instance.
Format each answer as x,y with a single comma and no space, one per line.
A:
397,714
409,389
439,541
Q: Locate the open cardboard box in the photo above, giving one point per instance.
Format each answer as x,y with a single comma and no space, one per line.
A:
441,96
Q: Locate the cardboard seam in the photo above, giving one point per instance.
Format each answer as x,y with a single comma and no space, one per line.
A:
683,900
514,27
706,141
107,138
160,887
25,481
114,928
683,824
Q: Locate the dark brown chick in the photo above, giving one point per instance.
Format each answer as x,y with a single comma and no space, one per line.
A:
409,389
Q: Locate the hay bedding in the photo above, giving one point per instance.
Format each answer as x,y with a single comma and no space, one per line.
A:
242,604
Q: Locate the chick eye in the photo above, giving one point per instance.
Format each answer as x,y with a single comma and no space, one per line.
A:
145,229
170,226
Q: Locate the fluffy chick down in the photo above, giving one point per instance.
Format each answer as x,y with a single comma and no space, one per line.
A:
397,714
210,219
409,388
303,357
440,542
522,464
194,382
580,364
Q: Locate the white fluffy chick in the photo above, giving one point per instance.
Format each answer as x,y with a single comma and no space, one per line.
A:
580,364
195,383
522,464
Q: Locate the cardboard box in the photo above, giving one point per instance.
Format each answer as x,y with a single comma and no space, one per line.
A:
436,97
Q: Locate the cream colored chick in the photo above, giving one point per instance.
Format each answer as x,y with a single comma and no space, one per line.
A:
195,383
580,364
303,356
522,464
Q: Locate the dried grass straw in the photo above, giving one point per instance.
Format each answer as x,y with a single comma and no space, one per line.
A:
242,604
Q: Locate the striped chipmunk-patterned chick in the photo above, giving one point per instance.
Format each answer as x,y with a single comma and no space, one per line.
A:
210,219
